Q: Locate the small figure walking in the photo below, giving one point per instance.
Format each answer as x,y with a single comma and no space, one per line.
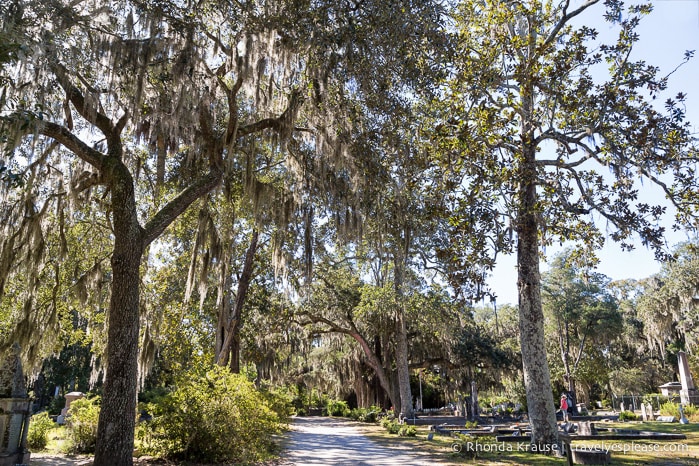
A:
564,406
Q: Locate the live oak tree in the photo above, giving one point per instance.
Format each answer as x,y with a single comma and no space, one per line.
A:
137,109
670,299
551,151
120,100
582,314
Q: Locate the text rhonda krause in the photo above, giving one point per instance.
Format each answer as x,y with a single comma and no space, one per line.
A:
628,447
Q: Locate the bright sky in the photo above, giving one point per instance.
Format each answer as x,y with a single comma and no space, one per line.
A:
665,35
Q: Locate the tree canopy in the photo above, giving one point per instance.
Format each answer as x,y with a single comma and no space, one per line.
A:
317,192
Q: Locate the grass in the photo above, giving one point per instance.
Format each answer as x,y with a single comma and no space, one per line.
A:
58,440
624,452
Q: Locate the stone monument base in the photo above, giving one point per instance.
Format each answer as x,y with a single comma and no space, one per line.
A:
15,459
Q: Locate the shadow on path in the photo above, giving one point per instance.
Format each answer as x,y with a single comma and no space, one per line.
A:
330,441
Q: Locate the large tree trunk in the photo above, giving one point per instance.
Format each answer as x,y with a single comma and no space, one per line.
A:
537,379
402,367
402,351
115,433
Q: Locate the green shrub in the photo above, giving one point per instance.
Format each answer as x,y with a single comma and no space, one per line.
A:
670,409
365,414
280,401
627,416
407,431
218,417
673,409
39,427
391,426
338,408
82,425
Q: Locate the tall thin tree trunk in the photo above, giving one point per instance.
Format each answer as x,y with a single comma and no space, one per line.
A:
402,349
537,379
118,412
230,349
402,367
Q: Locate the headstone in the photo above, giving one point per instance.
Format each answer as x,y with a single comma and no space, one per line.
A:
688,391
683,418
644,415
649,409
666,419
70,397
590,456
622,407
586,428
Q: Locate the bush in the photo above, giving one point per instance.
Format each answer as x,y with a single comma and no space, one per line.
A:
673,409
338,408
391,426
627,416
365,414
39,427
407,431
280,402
218,417
82,425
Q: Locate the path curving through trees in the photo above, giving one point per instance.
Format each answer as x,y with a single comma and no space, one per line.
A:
332,441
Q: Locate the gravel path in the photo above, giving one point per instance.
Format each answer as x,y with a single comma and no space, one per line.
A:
331,441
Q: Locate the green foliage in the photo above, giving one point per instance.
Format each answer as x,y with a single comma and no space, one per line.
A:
56,405
471,424
369,415
670,409
582,318
673,409
279,402
216,417
407,431
627,416
82,425
666,305
391,426
338,408
39,427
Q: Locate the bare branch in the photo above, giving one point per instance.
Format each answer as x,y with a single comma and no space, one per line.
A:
101,121
565,18
71,142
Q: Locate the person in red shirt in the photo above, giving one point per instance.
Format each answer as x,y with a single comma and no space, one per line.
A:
564,407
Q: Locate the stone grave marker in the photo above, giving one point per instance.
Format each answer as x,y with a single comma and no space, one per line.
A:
649,408
586,428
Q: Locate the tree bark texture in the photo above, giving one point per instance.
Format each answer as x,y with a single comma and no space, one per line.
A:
117,419
402,348
402,367
537,378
